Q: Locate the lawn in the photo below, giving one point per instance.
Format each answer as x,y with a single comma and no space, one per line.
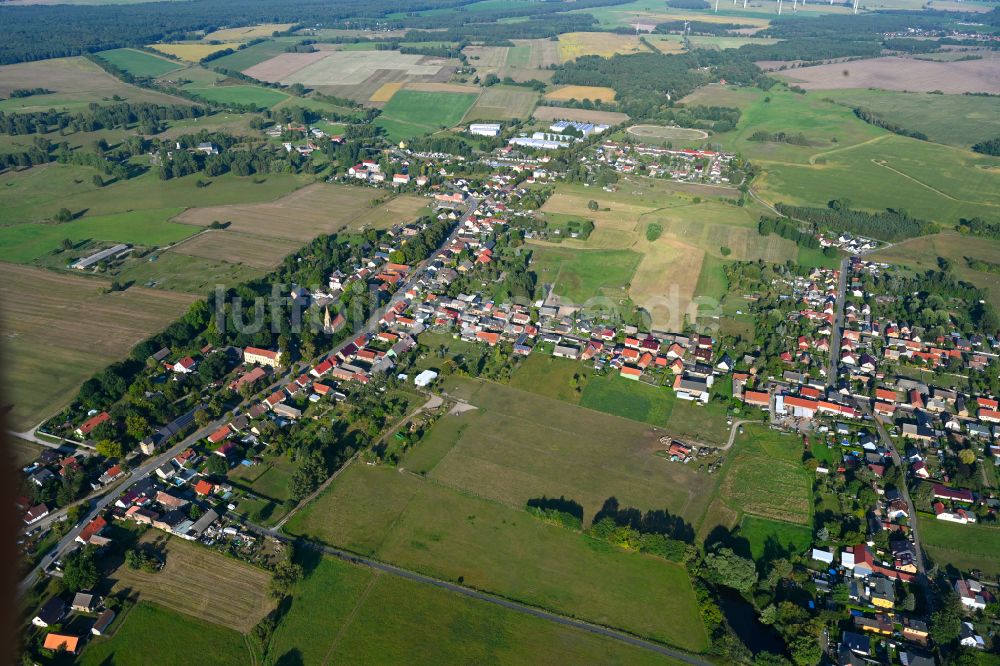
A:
412,112
965,547
152,635
421,525
351,626
959,120
581,275
551,376
629,399
262,98
138,63
179,272
521,445
765,477
771,539
25,243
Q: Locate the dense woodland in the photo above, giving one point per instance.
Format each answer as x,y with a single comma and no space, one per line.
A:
889,225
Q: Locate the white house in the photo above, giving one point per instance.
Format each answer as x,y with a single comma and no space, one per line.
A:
425,378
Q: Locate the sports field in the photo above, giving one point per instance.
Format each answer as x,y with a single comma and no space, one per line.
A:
151,635
422,525
238,248
47,314
966,547
663,132
566,93
522,444
958,120
412,113
309,212
75,82
572,45
202,583
192,51
138,63
352,626
503,103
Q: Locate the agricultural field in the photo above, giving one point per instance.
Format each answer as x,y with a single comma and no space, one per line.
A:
665,280
192,51
236,248
352,626
717,94
580,276
572,45
174,271
546,113
412,112
593,93
138,63
921,254
966,547
247,57
503,103
201,583
37,194
22,452
29,243
765,477
958,120
74,82
422,525
151,635
667,43
262,98
520,444
246,33
720,42
309,212
897,73
385,92
46,316
651,12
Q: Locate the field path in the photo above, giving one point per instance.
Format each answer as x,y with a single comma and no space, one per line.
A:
883,164
882,137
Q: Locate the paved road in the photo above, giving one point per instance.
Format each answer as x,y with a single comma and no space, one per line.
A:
489,598
905,492
838,326
147,468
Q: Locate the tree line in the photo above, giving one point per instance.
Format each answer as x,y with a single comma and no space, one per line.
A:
873,118
97,117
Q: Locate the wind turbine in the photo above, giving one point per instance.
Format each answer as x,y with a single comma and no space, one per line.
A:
779,7
716,6
856,2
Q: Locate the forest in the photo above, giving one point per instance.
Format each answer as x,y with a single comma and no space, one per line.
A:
888,225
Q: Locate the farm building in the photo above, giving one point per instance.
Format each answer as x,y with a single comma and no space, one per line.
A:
485,129
97,257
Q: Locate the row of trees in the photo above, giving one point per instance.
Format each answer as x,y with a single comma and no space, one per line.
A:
873,118
97,117
888,225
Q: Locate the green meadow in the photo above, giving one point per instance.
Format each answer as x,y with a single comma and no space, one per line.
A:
139,63
412,113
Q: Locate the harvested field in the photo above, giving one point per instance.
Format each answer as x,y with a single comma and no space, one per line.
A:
566,93
572,45
283,66
385,92
533,54
665,281
894,73
354,67
503,103
435,86
307,213
487,59
246,33
46,315
237,248
579,115
191,51
202,583
662,132
74,82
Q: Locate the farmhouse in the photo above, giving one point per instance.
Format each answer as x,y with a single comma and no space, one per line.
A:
262,357
87,426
